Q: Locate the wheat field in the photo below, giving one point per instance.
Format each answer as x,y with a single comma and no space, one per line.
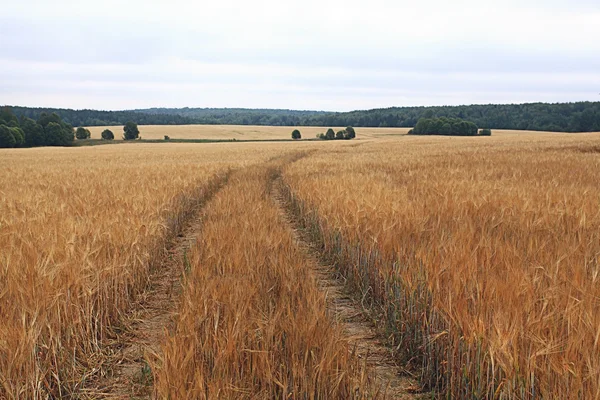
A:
253,323
79,231
238,132
477,257
483,258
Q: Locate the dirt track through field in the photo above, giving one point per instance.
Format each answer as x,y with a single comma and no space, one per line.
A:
126,374
392,381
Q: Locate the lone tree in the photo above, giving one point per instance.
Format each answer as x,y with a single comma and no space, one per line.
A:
82,133
296,134
107,134
130,131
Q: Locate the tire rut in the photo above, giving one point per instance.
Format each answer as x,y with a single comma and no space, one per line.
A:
127,374
392,381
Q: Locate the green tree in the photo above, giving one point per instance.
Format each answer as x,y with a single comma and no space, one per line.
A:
44,119
107,134
485,132
34,133
7,139
19,136
8,118
296,134
82,133
130,131
340,135
351,133
446,129
56,134
53,133
330,135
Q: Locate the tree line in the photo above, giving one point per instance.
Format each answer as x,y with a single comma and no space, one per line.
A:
563,117
560,117
46,130
49,130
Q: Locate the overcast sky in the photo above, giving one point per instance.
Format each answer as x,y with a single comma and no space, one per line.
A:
313,54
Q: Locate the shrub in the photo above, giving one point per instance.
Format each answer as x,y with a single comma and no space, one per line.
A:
168,138
296,134
107,134
485,132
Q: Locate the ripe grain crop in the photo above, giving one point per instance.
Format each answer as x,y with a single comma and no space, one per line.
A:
482,257
80,230
479,255
253,323
238,132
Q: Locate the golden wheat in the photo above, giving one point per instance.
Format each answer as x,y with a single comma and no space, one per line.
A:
253,323
482,255
238,132
79,231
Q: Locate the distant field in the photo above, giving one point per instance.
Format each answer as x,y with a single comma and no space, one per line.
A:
239,132
248,132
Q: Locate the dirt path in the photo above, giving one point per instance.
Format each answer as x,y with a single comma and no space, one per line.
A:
126,374
392,380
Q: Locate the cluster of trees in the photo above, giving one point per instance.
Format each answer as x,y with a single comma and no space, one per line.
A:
445,126
564,117
344,134
49,130
46,130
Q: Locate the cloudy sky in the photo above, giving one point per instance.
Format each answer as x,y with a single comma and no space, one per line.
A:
313,54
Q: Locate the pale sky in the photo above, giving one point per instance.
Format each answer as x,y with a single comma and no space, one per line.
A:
313,54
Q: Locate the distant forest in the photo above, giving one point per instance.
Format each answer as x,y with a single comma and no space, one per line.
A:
560,117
